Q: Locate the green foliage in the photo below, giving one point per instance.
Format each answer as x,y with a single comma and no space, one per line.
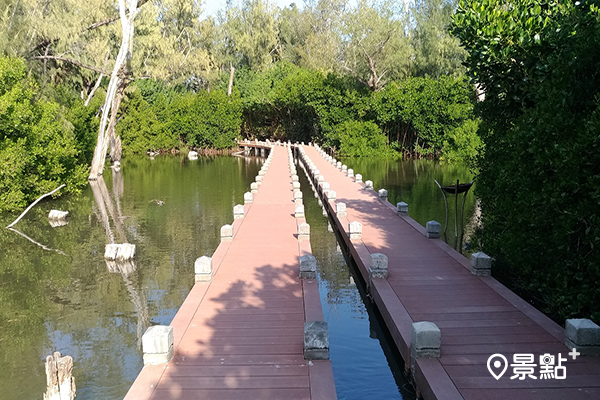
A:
421,113
539,176
360,139
38,147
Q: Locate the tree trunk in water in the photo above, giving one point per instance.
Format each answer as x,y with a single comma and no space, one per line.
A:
116,81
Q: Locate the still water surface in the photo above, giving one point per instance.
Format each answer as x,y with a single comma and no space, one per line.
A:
62,297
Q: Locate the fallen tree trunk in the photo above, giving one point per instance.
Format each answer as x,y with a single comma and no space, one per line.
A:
34,203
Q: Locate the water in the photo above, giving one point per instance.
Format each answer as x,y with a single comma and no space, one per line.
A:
63,298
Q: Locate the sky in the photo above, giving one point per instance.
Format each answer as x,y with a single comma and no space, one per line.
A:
212,6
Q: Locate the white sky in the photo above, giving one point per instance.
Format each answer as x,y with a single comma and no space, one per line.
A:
211,7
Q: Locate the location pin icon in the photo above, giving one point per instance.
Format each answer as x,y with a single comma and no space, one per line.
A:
497,365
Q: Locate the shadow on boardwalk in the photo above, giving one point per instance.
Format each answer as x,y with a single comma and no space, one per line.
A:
245,341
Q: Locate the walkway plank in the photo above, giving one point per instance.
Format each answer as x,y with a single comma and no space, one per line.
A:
477,316
240,336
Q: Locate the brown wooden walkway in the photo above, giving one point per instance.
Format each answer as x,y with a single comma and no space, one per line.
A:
477,316
240,336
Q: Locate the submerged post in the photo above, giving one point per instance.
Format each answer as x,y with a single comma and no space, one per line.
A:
60,384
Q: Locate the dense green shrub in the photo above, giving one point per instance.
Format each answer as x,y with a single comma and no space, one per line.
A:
360,139
38,148
539,180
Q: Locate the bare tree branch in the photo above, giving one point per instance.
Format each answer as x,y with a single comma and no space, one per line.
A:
74,62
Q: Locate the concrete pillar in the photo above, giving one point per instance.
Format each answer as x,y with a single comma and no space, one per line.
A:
258,180
254,188
584,335
226,233
350,173
378,268
402,208
294,178
248,198
304,231
299,211
157,344
340,209
355,230
481,264
308,267
298,196
331,195
425,341
368,185
238,211
383,194
345,169
316,340
339,165
203,269
434,229
324,211
358,178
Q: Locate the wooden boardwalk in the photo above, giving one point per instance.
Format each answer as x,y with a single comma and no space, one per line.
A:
477,316
240,336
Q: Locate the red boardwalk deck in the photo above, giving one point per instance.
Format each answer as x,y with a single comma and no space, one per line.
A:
477,316
240,336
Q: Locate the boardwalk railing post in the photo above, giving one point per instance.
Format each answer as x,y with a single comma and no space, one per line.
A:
299,211
378,267
481,264
316,340
303,231
203,269
157,344
248,198
358,178
298,198
383,194
340,209
331,195
350,173
434,229
355,230
238,211
425,342
584,335
308,267
368,185
402,208
226,233
254,188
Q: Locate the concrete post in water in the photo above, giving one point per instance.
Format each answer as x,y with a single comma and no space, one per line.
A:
340,209
355,230
238,211
308,267
316,340
350,173
358,178
434,229
248,198
254,188
584,335
299,211
119,252
481,264
203,269
303,231
402,208
226,233
157,344
193,155
57,217
60,384
425,342
383,194
368,185
378,268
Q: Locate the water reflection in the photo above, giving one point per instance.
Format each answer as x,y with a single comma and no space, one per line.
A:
94,311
